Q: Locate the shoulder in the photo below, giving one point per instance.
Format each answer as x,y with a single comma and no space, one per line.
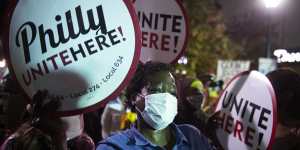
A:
115,142
194,136
189,129
28,139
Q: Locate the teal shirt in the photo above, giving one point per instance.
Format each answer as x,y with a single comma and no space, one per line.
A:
187,138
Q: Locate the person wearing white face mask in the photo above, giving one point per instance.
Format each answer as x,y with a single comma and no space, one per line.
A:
152,93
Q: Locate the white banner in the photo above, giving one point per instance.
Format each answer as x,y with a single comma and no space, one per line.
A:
227,69
266,65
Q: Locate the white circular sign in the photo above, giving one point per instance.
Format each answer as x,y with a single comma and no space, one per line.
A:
248,113
82,52
164,29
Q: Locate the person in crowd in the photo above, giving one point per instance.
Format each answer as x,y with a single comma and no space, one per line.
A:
189,103
76,138
213,89
15,104
116,116
81,142
128,118
92,125
75,126
286,84
152,93
111,117
42,131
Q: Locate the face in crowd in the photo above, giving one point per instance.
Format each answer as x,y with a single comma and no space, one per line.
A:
155,99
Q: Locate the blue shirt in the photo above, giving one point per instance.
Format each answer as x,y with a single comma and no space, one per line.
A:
187,138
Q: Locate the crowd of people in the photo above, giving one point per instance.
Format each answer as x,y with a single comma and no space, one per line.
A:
156,111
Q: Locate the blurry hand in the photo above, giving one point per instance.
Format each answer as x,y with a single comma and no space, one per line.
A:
43,108
212,124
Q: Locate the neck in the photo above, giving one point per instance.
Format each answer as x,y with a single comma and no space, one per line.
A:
157,137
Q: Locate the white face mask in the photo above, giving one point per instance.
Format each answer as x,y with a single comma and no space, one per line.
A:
160,110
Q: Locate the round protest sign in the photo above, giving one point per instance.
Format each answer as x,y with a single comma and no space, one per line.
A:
81,52
247,113
164,29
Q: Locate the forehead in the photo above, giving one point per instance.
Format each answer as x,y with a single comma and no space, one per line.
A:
160,82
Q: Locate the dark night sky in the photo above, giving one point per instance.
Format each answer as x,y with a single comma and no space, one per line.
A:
249,16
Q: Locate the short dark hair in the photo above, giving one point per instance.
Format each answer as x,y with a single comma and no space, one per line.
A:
286,84
140,78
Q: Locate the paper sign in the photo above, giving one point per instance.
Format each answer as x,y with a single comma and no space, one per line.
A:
164,29
227,69
266,65
248,113
82,52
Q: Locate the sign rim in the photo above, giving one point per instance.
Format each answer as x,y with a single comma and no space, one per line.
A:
187,30
180,4
274,103
113,94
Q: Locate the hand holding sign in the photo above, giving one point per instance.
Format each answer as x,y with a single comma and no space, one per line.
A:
82,53
211,126
248,113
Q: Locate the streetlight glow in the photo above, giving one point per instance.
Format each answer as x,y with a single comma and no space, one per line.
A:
2,63
183,60
272,3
